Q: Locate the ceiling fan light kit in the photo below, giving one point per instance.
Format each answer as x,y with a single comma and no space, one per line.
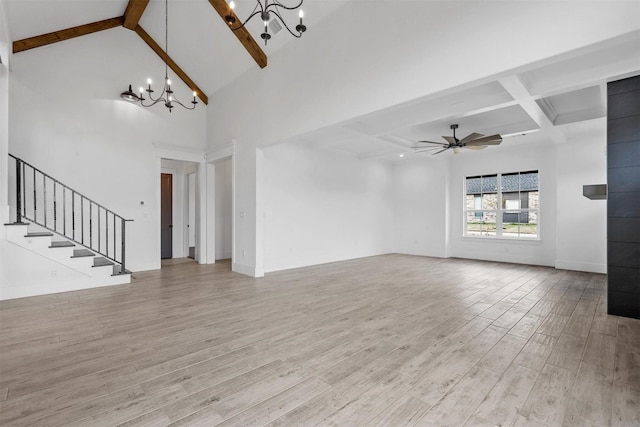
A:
473,141
266,9
166,96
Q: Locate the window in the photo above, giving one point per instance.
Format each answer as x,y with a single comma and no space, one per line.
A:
502,205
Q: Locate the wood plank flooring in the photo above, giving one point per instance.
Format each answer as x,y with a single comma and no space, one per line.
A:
391,340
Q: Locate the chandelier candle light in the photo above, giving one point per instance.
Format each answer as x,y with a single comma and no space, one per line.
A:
265,8
166,96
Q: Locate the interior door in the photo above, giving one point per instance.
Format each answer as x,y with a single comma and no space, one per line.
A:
166,215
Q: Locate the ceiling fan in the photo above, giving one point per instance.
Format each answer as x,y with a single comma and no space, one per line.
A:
474,141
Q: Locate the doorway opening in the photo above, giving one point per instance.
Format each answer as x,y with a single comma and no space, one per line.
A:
178,206
166,216
223,210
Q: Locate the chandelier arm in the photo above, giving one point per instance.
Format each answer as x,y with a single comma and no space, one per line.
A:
161,96
246,20
277,4
155,101
285,24
182,105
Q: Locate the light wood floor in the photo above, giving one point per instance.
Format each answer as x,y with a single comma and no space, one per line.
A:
391,340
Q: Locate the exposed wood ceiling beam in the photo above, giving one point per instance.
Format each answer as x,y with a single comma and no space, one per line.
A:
133,13
242,34
66,34
176,69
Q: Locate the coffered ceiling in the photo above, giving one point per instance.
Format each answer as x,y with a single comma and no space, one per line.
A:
540,104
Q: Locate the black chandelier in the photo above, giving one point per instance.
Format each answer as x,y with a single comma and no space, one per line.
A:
265,8
166,96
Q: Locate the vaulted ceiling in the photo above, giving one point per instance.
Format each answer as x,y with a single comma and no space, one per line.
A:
540,103
200,42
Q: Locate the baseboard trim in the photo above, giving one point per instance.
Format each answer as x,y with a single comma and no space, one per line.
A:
588,267
247,270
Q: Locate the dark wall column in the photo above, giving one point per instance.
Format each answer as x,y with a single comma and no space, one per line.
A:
623,199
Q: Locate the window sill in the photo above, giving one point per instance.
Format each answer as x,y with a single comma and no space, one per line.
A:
501,239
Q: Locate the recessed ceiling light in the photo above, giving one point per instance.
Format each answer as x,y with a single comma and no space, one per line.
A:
401,155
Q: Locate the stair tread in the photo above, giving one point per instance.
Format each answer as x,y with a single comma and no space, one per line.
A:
101,262
16,223
39,234
62,244
78,253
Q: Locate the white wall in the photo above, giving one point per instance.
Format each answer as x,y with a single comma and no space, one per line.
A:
581,227
472,163
420,208
318,81
5,54
66,117
223,209
323,206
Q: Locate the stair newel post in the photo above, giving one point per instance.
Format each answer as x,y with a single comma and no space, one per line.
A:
122,268
18,191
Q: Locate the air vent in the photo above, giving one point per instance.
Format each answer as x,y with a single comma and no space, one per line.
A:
274,26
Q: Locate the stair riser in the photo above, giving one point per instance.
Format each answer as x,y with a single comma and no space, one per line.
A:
40,245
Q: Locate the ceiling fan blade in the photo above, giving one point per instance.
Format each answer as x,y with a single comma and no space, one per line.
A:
431,142
427,149
475,147
451,140
487,140
471,137
438,152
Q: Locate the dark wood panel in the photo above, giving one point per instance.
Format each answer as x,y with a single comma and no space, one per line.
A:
624,304
625,104
624,154
624,279
624,85
623,179
623,230
623,205
623,129
623,254
66,34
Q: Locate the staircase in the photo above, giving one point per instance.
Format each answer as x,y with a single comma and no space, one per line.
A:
57,222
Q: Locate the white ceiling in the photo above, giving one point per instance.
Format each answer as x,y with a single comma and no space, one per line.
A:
542,104
545,101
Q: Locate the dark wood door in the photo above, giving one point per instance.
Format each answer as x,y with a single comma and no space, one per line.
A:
166,215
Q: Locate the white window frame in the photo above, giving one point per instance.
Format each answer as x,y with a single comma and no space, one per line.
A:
499,211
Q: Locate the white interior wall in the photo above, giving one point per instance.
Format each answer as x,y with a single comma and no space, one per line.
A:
391,67
420,208
323,206
473,163
5,56
581,227
223,209
66,117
